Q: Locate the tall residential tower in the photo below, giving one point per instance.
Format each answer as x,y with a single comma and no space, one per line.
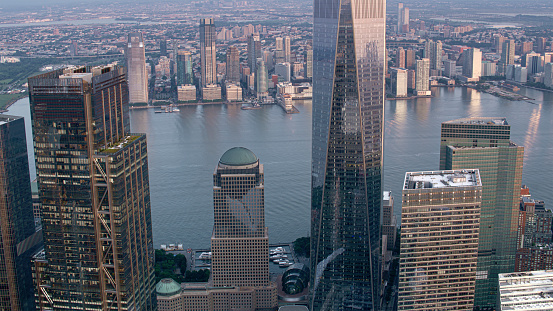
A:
93,176
208,52
348,95
136,69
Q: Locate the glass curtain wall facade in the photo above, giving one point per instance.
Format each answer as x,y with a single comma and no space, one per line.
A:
184,68
93,177
348,96
484,144
16,217
208,67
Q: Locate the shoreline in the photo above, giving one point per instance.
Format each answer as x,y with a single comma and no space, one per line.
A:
12,101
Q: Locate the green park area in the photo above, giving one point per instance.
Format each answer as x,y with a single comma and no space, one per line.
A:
14,75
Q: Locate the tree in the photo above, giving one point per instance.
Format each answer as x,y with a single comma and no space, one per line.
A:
302,246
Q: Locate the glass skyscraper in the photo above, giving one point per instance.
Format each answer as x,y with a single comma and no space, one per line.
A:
208,64
93,176
484,144
348,97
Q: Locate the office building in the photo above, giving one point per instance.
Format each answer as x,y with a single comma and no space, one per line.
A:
136,69
283,71
308,69
422,86
472,65
507,56
184,68
433,51
440,213
398,78
400,58
525,291
347,154
484,144
186,93
389,228
208,36
211,92
254,51
279,50
239,244
233,92
548,75
17,225
93,176
233,64
287,53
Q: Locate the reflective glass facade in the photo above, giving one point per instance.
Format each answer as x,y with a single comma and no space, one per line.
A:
348,96
16,217
483,143
93,179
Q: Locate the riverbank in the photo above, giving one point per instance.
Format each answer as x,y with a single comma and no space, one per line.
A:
6,100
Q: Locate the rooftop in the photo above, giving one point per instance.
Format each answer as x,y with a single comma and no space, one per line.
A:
526,290
168,287
480,120
238,156
4,118
442,179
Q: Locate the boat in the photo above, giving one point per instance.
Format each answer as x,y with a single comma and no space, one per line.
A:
277,256
205,256
172,247
285,263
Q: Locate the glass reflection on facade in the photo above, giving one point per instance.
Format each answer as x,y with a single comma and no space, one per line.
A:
93,177
348,97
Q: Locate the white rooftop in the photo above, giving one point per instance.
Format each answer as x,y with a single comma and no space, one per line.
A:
480,120
442,179
526,290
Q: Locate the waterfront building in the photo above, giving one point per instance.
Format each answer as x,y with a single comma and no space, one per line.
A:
279,50
17,225
472,65
548,76
520,74
400,58
208,51
93,176
484,144
389,228
136,69
254,51
525,291
450,68
440,219
233,92
507,55
433,51
308,69
410,60
488,69
186,93
422,85
211,92
287,48
184,68
411,79
399,82
347,154
261,84
283,71
233,64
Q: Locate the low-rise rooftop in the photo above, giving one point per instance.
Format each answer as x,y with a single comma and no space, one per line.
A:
442,179
480,120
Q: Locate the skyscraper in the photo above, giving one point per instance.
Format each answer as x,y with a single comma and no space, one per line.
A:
163,47
136,69
541,44
261,79
433,51
233,64
402,18
208,51
507,56
287,53
17,227
93,175
308,69
472,65
400,58
422,85
184,68
410,59
440,213
279,50
348,97
484,144
254,51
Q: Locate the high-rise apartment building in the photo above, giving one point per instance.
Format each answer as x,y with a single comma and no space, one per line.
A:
433,51
136,69
163,47
17,226
389,228
348,97
398,78
279,50
400,58
287,49
184,68
208,36
93,176
254,51
233,64
498,43
440,213
484,144
507,56
410,59
422,85
541,44
261,86
548,75
472,65
402,18
308,69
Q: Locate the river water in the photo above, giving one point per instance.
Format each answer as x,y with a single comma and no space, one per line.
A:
184,149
